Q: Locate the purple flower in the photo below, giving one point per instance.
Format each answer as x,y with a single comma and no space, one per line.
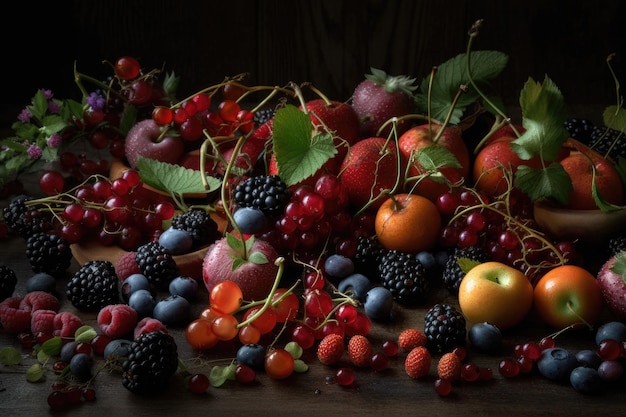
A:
34,151
54,141
47,94
24,115
96,101
53,107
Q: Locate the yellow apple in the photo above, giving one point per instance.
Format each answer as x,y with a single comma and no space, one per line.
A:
496,293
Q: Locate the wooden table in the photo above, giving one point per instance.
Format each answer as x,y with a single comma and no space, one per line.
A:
390,392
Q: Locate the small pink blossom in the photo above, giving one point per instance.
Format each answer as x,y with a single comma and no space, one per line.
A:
24,115
53,107
34,151
54,141
47,94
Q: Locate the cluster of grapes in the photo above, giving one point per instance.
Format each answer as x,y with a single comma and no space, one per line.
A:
112,211
318,219
505,228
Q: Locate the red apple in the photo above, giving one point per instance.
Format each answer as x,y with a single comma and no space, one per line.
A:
607,180
144,139
612,282
496,293
255,273
420,137
568,295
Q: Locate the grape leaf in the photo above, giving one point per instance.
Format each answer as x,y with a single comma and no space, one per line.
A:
451,75
173,179
615,118
551,182
299,152
10,356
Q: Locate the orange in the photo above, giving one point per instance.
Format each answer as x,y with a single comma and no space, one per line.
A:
408,223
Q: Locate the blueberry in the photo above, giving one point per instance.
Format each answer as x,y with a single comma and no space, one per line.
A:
117,349
611,370
586,380
378,303
355,285
177,241
614,330
80,365
442,258
556,364
172,310
338,266
588,358
249,219
134,283
41,281
186,287
427,259
143,302
485,337
67,351
252,355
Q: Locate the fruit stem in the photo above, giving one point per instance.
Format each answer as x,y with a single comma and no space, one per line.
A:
462,89
320,94
298,91
280,262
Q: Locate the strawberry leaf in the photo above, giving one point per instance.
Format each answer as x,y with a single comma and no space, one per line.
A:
451,75
173,179
258,258
551,182
615,118
299,152
619,267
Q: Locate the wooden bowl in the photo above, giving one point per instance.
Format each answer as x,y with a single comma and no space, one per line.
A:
592,226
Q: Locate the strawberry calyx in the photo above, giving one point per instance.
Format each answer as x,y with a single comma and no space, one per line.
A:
392,83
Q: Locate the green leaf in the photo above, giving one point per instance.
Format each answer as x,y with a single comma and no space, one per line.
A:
544,114
466,264
451,75
52,346
129,119
615,118
235,243
42,357
39,107
10,356
619,267
35,373
294,349
173,179
85,334
300,366
258,258
434,157
299,153
220,374
53,123
552,182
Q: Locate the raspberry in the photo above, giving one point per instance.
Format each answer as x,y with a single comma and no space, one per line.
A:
66,324
449,367
411,338
42,321
417,362
39,300
117,320
12,318
126,266
360,350
147,325
331,348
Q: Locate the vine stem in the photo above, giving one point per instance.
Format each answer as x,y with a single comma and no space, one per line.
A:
280,262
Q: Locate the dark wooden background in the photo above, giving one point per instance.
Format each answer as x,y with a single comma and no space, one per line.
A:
331,43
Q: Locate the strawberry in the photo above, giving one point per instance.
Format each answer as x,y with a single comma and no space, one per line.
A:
331,348
449,367
127,266
370,167
360,350
411,338
338,119
380,97
417,362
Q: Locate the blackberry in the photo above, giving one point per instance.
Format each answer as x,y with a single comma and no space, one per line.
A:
367,257
199,224
150,364
49,253
263,115
157,264
579,129
24,220
267,193
616,245
445,328
8,281
93,286
608,141
405,276
452,271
